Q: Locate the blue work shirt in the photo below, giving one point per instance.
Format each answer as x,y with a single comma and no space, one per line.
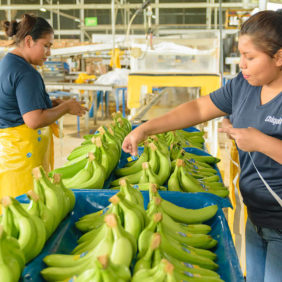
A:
22,90
243,102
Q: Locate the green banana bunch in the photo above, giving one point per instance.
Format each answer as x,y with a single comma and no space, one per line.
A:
118,115
8,222
160,143
93,220
190,184
174,179
176,250
12,260
131,194
202,159
122,250
103,270
54,196
148,174
146,257
31,230
92,176
135,167
69,194
97,179
37,208
168,221
108,159
111,140
63,267
134,219
164,271
181,266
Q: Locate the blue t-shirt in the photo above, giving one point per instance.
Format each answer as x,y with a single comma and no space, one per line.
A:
21,90
242,100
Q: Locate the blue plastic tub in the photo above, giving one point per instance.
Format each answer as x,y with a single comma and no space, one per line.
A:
88,201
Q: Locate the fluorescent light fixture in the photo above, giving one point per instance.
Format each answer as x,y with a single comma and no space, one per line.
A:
42,9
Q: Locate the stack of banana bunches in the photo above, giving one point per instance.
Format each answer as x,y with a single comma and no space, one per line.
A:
165,162
24,228
90,164
123,242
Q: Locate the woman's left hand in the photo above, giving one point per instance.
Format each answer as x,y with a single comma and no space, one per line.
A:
247,139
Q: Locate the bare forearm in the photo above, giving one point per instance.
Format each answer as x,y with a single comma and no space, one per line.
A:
271,146
40,118
185,115
49,116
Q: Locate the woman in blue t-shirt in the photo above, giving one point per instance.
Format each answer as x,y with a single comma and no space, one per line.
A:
254,101
27,114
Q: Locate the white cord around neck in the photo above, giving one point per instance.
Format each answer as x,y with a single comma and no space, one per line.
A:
276,197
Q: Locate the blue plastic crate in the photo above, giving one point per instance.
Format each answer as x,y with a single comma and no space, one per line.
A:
88,201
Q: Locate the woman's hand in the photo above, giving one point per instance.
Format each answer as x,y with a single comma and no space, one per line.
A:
247,139
75,108
56,102
131,141
226,124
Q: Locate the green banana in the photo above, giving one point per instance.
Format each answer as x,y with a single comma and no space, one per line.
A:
189,216
132,220
82,150
147,233
137,166
122,250
80,177
194,240
96,181
37,208
69,194
71,168
145,261
174,179
26,227
132,178
54,197
11,258
176,250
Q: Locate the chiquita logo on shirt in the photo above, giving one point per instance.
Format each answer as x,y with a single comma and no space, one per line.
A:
273,120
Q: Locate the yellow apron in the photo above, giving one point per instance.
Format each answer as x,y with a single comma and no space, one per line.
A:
22,149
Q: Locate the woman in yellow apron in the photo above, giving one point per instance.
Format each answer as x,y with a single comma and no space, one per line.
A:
27,114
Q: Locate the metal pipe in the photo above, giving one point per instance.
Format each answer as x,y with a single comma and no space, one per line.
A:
113,32
126,6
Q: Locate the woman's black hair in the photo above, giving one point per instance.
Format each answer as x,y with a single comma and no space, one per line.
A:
31,25
265,29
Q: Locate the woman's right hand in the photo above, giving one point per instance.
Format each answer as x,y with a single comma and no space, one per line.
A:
75,108
131,141
226,124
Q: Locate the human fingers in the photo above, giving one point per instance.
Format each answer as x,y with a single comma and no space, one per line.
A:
130,146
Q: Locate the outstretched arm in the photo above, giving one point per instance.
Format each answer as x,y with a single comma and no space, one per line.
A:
185,115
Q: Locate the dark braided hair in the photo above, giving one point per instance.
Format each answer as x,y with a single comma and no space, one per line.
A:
31,25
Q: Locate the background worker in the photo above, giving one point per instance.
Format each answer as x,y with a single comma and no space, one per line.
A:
26,112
